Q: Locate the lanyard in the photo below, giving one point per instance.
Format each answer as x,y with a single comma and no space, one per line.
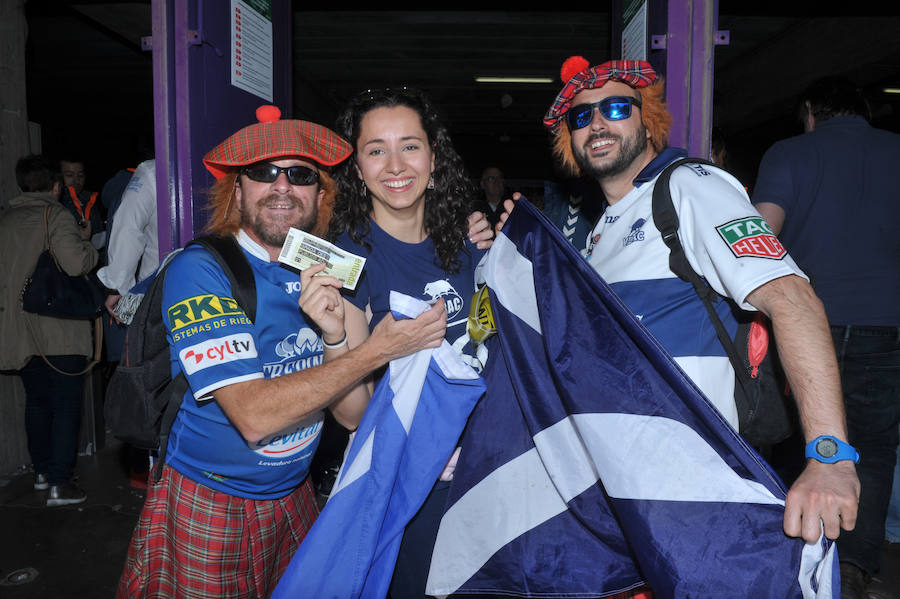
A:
85,213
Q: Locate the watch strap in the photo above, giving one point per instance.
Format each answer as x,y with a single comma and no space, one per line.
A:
845,451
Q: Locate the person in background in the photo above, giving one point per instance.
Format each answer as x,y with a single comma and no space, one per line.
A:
84,205
49,353
830,195
493,192
132,255
133,249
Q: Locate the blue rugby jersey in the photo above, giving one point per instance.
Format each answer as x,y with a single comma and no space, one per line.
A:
215,344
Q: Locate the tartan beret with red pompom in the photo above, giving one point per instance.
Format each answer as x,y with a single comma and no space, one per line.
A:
578,75
273,138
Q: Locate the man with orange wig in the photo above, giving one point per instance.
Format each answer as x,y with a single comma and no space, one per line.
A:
610,122
234,499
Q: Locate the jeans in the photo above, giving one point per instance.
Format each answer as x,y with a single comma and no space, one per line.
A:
892,524
53,414
869,361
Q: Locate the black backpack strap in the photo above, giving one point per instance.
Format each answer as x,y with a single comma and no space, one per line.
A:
230,256
174,390
666,220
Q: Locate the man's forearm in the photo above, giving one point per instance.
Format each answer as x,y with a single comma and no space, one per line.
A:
824,496
262,407
806,352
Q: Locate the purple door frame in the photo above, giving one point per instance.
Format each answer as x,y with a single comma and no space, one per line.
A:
196,105
683,34
690,52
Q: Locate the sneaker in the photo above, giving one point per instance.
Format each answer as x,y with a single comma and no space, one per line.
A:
67,494
40,482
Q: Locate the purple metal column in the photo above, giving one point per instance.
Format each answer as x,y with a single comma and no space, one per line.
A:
164,149
690,44
182,114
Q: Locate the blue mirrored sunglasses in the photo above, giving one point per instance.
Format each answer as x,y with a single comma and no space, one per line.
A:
616,108
266,172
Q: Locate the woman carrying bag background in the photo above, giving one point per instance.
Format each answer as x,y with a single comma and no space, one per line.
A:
43,348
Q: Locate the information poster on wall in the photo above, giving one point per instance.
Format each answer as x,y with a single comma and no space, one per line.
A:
251,46
634,32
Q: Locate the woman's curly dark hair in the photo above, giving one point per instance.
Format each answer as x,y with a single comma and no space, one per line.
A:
447,206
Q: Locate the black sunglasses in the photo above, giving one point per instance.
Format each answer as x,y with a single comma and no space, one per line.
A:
616,108
266,172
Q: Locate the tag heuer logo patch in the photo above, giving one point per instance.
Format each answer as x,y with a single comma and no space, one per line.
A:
752,236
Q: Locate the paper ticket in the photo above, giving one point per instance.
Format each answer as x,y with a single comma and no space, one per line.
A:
302,250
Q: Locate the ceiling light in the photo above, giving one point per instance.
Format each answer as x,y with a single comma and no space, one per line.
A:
891,90
513,79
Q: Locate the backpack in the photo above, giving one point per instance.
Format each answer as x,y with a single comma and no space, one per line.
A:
143,399
766,411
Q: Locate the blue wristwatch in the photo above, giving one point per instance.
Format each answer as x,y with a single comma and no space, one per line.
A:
830,449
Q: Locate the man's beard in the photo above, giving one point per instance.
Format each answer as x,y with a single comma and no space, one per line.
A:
274,231
629,149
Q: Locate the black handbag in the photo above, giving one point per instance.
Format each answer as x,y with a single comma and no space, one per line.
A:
50,291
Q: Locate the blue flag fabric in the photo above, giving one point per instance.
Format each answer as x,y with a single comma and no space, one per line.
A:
409,431
612,468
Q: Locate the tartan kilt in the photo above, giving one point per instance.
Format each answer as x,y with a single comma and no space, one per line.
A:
192,541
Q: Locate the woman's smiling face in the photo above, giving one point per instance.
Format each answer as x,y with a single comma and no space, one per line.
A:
394,158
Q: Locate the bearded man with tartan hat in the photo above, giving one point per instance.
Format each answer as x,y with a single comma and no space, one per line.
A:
610,122
234,500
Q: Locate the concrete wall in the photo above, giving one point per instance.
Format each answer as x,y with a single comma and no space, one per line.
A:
14,138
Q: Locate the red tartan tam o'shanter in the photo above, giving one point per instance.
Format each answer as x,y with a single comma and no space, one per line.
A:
578,75
273,138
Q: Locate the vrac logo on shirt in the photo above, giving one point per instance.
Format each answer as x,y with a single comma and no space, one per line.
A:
217,351
751,236
452,300
637,233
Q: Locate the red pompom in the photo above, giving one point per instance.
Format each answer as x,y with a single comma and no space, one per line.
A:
572,66
268,113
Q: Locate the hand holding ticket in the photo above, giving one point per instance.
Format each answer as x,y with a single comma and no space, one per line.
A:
301,250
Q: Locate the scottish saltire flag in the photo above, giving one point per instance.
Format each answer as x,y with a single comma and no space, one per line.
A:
408,433
594,465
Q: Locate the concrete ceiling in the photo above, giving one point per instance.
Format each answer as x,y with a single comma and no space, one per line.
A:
89,82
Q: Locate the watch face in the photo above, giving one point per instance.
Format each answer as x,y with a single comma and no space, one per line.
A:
826,448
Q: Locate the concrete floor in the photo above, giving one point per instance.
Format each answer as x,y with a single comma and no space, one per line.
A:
78,551
74,551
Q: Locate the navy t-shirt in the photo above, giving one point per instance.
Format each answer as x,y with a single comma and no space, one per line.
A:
414,269
838,186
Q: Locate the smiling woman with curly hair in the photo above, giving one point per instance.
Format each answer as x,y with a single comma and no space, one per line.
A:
403,203
446,200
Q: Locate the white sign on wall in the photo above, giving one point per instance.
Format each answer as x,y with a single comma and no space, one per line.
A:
251,46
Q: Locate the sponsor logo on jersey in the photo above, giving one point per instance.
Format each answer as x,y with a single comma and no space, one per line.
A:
636,234
751,236
217,351
291,441
201,308
297,351
452,300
